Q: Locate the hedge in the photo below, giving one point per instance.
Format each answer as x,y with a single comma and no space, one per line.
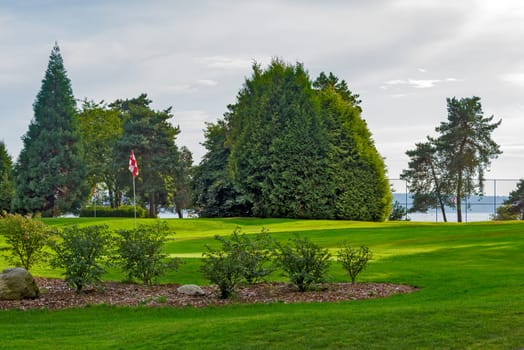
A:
127,211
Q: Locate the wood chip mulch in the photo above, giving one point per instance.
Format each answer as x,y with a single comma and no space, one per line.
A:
55,294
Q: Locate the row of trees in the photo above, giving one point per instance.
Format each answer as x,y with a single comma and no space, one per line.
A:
68,152
288,147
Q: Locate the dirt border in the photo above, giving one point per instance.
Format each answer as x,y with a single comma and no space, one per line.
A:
55,294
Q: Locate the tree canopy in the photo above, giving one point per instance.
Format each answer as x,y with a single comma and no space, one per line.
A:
50,172
460,155
152,138
289,147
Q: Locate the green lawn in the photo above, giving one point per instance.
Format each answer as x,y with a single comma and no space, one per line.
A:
471,278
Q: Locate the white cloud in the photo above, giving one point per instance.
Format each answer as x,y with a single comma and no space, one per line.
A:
207,82
223,62
416,83
513,78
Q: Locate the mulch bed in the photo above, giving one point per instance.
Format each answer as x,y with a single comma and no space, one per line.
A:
57,295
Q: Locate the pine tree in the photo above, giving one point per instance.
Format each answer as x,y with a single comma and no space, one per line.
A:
50,173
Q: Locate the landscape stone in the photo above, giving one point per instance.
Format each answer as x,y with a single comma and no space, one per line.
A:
190,289
16,284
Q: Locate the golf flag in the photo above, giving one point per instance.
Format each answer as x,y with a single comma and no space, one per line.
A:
133,167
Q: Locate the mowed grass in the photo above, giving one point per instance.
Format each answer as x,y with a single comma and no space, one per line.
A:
471,280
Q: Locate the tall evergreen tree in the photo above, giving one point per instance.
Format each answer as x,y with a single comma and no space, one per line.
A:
466,146
293,148
455,161
356,170
6,179
50,173
279,145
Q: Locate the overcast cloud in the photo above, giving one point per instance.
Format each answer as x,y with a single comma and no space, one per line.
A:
403,57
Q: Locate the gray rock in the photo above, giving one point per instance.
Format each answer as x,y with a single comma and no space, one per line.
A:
190,289
16,284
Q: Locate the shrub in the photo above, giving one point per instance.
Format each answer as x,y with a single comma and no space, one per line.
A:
223,268
398,212
354,260
507,212
26,239
303,261
140,252
127,211
240,258
81,253
254,254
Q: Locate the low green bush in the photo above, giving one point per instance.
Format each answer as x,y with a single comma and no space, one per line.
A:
354,260
223,268
304,262
139,252
81,252
26,238
240,258
127,211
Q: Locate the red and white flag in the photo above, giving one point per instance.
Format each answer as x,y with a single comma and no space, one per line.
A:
133,167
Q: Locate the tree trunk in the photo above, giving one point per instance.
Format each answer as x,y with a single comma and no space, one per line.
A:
437,188
152,205
179,213
459,198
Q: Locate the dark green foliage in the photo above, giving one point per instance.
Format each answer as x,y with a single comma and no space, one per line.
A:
124,211
214,193
513,208
25,238
278,144
152,137
304,262
292,148
466,147
425,177
140,252
182,198
81,253
507,212
453,164
356,170
398,213
353,260
6,179
50,172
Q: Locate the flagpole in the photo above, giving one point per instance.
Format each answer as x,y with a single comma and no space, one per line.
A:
133,168
134,198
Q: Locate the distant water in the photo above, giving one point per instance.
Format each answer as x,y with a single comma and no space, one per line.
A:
474,209
451,216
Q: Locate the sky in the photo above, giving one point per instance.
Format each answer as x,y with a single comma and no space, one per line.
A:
403,57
